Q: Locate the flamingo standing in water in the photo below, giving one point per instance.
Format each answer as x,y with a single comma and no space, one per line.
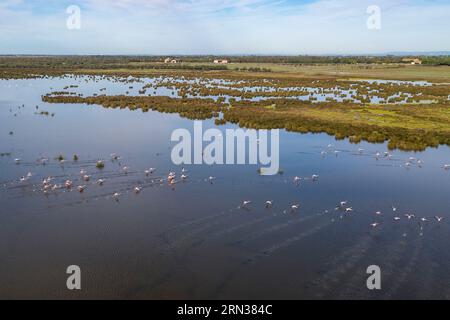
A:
211,179
245,204
68,184
269,204
409,216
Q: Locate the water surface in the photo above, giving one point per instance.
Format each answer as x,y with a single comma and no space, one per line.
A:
191,240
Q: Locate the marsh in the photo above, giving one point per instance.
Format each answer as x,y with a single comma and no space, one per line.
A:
189,239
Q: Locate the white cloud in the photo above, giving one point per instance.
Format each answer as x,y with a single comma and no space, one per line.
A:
226,26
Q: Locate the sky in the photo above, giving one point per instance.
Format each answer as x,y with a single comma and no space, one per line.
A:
223,27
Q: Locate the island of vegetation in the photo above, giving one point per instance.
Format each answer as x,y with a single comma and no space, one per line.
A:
375,99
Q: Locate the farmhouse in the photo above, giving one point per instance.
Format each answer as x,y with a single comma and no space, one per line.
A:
170,60
412,61
224,61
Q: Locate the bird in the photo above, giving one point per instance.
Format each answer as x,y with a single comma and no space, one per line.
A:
116,196
17,161
114,156
423,219
86,177
348,210
409,216
343,204
439,219
149,172
47,181
171,177
211,179
360,150
397,218
100,182
378,213
184,177
246,203
375,224
394,209
83,172
183,170
295,207
269,204
81,189
125,169
297,179
446,167
315,177
137,190
68,184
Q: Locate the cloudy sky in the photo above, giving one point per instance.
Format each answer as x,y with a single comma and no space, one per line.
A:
223,26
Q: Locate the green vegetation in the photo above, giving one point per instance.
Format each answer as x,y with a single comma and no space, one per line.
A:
100,165
407,128
302,94
195,109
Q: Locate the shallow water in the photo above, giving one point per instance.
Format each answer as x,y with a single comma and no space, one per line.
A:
191,240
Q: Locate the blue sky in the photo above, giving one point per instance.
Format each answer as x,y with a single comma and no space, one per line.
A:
223,27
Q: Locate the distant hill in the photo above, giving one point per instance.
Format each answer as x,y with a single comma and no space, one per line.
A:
418,53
